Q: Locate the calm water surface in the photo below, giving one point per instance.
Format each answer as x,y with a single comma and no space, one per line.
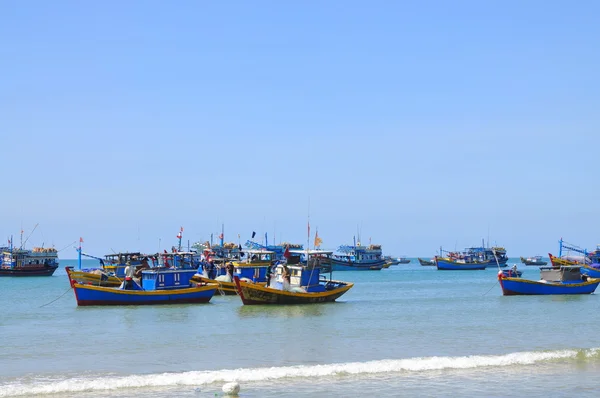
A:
403,331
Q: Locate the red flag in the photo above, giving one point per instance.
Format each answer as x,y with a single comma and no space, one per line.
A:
80,240
286,254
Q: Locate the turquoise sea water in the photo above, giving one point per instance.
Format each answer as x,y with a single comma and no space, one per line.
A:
404,331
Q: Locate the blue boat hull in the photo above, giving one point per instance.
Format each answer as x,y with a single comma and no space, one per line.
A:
518,286
99,295
337,265
445,265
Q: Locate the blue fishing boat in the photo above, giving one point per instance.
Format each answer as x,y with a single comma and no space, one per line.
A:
464,263
553,280
158,286
496,255
457,261
358,258
169,284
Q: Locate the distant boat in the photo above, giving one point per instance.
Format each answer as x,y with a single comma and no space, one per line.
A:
461,264
535,260
553,281
426,263
456,261
39,261
403,260
358,258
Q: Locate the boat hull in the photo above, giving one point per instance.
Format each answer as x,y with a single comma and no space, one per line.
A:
45,270
338,265
518,287
87,295
252,294
426,263
533,262
449,265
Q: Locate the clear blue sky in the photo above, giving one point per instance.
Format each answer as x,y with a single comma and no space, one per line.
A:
419,123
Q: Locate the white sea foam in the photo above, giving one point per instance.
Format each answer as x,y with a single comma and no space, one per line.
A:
196,378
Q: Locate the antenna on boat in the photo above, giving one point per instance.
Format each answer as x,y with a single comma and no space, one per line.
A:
26,239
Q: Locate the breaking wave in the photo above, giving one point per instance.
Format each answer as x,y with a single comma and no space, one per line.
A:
200,378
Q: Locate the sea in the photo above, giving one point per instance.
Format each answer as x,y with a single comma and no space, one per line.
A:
405,331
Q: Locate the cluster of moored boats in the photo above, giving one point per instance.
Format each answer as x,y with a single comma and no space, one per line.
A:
567,274
279,274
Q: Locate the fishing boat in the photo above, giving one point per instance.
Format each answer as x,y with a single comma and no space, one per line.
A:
495,256
565,259
553,280
456,261
358,258
389,261
40,261
293,284
403,260
251,267
464,263
426,263
535,260
111,270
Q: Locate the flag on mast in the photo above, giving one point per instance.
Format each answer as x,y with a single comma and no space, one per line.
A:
318,240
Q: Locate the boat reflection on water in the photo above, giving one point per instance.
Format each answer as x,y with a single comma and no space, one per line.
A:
282,311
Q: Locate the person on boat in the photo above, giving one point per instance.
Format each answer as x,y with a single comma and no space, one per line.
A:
144,265
286,277
268,274
230,270
129,272
514,270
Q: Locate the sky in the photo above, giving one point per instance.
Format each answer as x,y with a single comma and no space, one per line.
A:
413,125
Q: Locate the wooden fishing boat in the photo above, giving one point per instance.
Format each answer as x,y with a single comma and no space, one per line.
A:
304,286
426,263
562,280
39,261
111,270
403,260
158,286
535,260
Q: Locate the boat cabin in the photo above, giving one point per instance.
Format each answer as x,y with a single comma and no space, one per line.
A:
178,260
305,278
166,278
255,264
116,262
565,274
